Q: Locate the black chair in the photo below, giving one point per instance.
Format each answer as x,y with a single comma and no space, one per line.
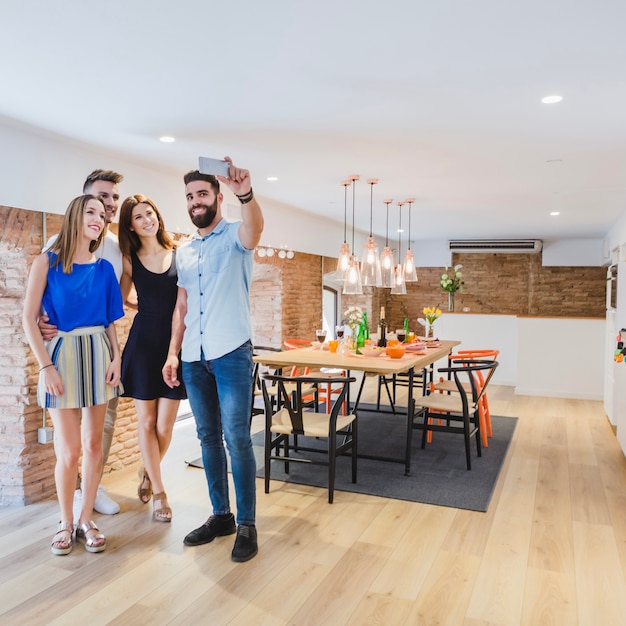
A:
256,381
456,413
298,417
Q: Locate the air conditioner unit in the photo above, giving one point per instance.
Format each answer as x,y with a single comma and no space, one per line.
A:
508,246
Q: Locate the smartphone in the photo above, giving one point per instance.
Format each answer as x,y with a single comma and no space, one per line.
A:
217,167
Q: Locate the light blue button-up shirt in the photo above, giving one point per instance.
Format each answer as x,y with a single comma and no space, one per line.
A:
216,272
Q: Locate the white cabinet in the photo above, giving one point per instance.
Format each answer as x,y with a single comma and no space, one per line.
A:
539,356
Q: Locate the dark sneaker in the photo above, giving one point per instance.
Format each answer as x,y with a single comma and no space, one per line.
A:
215,526
245,545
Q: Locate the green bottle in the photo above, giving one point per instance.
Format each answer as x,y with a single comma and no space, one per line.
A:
366,328
360,338
406,330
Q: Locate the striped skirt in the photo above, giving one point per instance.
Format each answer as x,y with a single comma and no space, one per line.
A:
82,358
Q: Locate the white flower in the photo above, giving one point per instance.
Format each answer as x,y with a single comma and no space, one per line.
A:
452,280
353,315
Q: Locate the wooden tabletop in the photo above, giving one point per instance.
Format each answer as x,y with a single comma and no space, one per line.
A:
309,357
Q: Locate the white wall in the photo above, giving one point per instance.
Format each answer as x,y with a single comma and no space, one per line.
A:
488,332
574,252
41,171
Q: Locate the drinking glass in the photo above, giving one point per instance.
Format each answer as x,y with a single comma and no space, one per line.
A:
320,335
339,330
401,335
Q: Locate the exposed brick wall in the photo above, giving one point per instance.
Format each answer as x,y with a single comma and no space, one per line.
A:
27,467
286,298
508,284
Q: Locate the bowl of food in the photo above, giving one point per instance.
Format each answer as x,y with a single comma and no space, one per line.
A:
372,351
397,351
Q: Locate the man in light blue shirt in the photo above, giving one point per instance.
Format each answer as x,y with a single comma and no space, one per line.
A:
212,324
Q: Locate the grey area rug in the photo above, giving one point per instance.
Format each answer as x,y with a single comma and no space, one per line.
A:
438,473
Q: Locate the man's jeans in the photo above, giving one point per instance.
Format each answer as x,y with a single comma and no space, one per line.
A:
220,395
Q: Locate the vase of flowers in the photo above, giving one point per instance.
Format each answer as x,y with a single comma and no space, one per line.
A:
431,314
452,281
353,316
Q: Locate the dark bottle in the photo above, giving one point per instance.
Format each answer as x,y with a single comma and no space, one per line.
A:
382,339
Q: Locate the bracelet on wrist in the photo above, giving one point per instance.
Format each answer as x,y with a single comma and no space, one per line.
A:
44,367
246,197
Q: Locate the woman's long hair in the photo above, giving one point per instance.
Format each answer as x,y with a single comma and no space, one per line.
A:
66,243
129,240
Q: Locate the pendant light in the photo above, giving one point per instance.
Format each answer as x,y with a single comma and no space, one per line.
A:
352,283
386,257
410,275
370,266
399,286
344,251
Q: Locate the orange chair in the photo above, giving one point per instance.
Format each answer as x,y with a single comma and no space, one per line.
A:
450,386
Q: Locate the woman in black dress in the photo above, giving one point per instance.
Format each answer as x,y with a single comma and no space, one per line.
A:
149,263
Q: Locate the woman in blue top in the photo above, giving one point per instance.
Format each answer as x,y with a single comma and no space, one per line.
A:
79,370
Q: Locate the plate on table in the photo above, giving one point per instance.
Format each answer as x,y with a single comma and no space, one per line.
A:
416,348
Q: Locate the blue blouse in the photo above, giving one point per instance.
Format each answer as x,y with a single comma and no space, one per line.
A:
88,296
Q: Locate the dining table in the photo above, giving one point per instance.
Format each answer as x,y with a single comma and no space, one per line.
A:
383,365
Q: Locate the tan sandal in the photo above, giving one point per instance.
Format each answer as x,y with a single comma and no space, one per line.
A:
94,542
163,513
61,544
144,493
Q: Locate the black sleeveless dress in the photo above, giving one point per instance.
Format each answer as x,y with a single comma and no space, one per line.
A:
149,338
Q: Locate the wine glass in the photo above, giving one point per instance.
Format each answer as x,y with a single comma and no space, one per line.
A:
340,331
320,335
401,335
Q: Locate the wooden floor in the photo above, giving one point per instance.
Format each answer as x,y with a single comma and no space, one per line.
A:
550,550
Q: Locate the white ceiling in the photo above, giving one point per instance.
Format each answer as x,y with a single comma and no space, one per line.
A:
439,100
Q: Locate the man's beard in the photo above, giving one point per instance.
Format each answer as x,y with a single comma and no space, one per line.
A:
202,220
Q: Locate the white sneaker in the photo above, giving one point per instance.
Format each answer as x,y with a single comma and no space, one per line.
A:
78,505
104,503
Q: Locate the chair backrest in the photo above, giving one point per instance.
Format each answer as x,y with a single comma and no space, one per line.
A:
475,354
294,400
479,373
258,369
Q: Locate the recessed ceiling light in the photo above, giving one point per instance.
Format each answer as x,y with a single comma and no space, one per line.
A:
272,178
554,161
167,139
554,213
551,99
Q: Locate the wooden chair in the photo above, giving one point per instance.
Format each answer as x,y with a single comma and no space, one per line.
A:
449,386
294,418
459,412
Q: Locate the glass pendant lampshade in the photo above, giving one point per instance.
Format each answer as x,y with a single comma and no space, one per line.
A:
399,285
370,266
386,257
410,275
352,282
344,251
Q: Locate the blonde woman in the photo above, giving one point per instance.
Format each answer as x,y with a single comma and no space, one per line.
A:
79,369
